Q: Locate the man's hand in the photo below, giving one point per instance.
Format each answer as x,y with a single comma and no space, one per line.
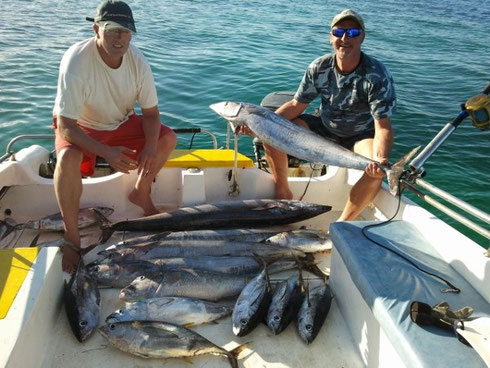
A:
374,170
118,158
70,259
147,160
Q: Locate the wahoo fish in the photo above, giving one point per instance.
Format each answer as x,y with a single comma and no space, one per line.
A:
86,217
225,214
302,143
285,303
251,306
313,312
196,248
163,340
245,235
177,310
186,283
82,303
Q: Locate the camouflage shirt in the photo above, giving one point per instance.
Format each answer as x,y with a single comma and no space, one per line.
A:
349,103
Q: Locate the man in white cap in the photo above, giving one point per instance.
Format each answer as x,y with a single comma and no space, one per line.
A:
100,80
357,101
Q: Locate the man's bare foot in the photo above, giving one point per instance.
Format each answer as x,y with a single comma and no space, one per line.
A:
143,201
282,192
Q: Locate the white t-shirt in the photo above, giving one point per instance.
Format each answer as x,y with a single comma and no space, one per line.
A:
98,96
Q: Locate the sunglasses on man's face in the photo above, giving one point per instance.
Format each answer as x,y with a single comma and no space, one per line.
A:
351,32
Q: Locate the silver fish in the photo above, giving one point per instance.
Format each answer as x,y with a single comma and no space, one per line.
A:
197,248
82,303
251,306
86,217
285,303
187,283
225,214
302,143
163,340
313,312
177,310
243,235
305,240
121,274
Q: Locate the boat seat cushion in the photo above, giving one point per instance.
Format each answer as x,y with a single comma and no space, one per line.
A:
389,284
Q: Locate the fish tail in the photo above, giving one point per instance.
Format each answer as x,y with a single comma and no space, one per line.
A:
396,170
34,241
233,354
107,232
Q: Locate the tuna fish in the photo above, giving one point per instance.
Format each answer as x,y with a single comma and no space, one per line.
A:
180,311
226,214
82,303
285,303
302,143
305,240
313,312
187,283
251,306
163,340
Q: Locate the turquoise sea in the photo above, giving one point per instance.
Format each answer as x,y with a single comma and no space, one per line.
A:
202,52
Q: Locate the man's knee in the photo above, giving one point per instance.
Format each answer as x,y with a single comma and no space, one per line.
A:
69,158
168,140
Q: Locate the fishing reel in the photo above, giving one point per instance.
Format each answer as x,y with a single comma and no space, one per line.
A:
478,108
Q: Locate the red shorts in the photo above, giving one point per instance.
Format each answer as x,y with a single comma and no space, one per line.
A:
129,134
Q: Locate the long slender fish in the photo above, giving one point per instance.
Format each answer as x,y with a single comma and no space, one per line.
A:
245,235
225,214
177,310
163,340
302,143
82,303
86,217
313,312
196,248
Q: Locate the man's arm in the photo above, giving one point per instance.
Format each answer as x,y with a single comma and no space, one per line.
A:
151,128
382,145
292,109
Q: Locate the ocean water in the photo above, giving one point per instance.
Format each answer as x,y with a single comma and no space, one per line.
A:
202,52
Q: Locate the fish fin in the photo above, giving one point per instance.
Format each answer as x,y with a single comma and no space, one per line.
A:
190,270
34,241
106,233
187,360
235,353
396,170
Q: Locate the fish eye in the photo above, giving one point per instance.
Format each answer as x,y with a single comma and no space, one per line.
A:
243,322
142,277
309,327
276,318
112,326
83,323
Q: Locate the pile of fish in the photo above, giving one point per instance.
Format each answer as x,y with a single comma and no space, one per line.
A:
175,279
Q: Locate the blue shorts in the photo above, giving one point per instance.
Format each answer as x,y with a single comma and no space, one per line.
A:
316,125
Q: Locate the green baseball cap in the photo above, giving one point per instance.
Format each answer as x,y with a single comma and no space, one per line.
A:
114,11
348,14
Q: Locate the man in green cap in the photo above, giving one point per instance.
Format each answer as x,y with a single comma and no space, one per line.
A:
357,101
100,80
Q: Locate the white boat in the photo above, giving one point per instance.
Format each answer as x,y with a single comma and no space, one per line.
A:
369,321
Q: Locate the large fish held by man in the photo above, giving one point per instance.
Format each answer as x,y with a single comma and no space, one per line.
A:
302,143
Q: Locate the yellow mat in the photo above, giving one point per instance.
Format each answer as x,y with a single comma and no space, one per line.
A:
206,158
14,266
